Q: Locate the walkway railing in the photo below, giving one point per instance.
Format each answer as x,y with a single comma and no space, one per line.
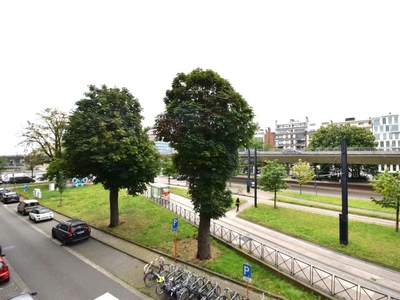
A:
317,278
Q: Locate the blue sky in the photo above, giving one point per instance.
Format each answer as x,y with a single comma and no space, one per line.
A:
325,60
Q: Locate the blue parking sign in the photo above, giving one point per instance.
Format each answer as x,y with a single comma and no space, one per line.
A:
247,272
175,224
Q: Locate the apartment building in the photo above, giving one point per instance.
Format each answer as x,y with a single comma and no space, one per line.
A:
294,135
387,133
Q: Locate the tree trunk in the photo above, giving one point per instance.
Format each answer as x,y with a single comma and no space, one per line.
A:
275,199
203,241
300,189
114,213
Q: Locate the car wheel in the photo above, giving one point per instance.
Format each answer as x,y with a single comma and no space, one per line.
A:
64,242
53,235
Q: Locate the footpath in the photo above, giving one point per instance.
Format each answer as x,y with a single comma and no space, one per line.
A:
376,277
383,280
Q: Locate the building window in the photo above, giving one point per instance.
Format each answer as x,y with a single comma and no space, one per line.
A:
395,127
384,121
384,135
396,120
387,128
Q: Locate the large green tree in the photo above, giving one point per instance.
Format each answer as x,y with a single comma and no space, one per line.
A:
105,138
272,178
357,138
388,185
46,134
206,121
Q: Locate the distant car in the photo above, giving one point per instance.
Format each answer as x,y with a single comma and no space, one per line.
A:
20,179
4,271
71,231
181,177
9,197
24,296
41,214
291,151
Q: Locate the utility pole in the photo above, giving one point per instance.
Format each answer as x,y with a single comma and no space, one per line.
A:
255,176
343,217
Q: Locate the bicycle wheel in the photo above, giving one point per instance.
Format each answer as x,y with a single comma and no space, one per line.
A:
184,295
160,288
149,279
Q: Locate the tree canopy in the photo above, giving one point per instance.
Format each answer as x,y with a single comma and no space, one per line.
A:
388,185
357,138
272,178
303,172
206,121
331,137
45,136
105,138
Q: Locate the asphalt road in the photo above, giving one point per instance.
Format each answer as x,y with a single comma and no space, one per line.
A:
41,264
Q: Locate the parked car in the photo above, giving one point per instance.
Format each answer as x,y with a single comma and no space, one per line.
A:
9,197
4,190
41,214
24,296
20,179
26,206
4,271
71,231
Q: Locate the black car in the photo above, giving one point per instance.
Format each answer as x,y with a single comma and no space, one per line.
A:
9,197
21,179
71,231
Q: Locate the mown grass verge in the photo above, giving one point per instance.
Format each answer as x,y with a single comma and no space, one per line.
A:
145,222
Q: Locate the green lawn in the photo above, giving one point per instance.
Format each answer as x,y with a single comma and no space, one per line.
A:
369,242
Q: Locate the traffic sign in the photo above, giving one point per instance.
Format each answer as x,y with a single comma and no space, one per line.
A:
175,224
247,272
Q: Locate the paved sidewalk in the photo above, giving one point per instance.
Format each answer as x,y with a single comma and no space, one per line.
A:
375,277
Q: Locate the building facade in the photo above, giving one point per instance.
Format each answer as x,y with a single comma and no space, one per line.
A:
387,134
293,135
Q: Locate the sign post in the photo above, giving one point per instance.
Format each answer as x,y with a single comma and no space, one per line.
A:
247,277
175,229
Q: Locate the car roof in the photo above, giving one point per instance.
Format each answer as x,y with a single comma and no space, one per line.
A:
74,222
29,201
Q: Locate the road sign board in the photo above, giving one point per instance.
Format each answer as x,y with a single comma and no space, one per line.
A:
175,224
247,272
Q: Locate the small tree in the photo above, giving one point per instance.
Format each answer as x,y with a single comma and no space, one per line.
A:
168,167
273,178
303,172
388,185
34,158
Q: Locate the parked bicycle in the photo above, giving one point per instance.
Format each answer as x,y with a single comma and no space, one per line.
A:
155,275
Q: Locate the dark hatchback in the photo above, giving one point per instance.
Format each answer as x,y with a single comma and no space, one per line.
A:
9,197
71,231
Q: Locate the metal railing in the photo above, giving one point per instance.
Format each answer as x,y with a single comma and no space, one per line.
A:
317,278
